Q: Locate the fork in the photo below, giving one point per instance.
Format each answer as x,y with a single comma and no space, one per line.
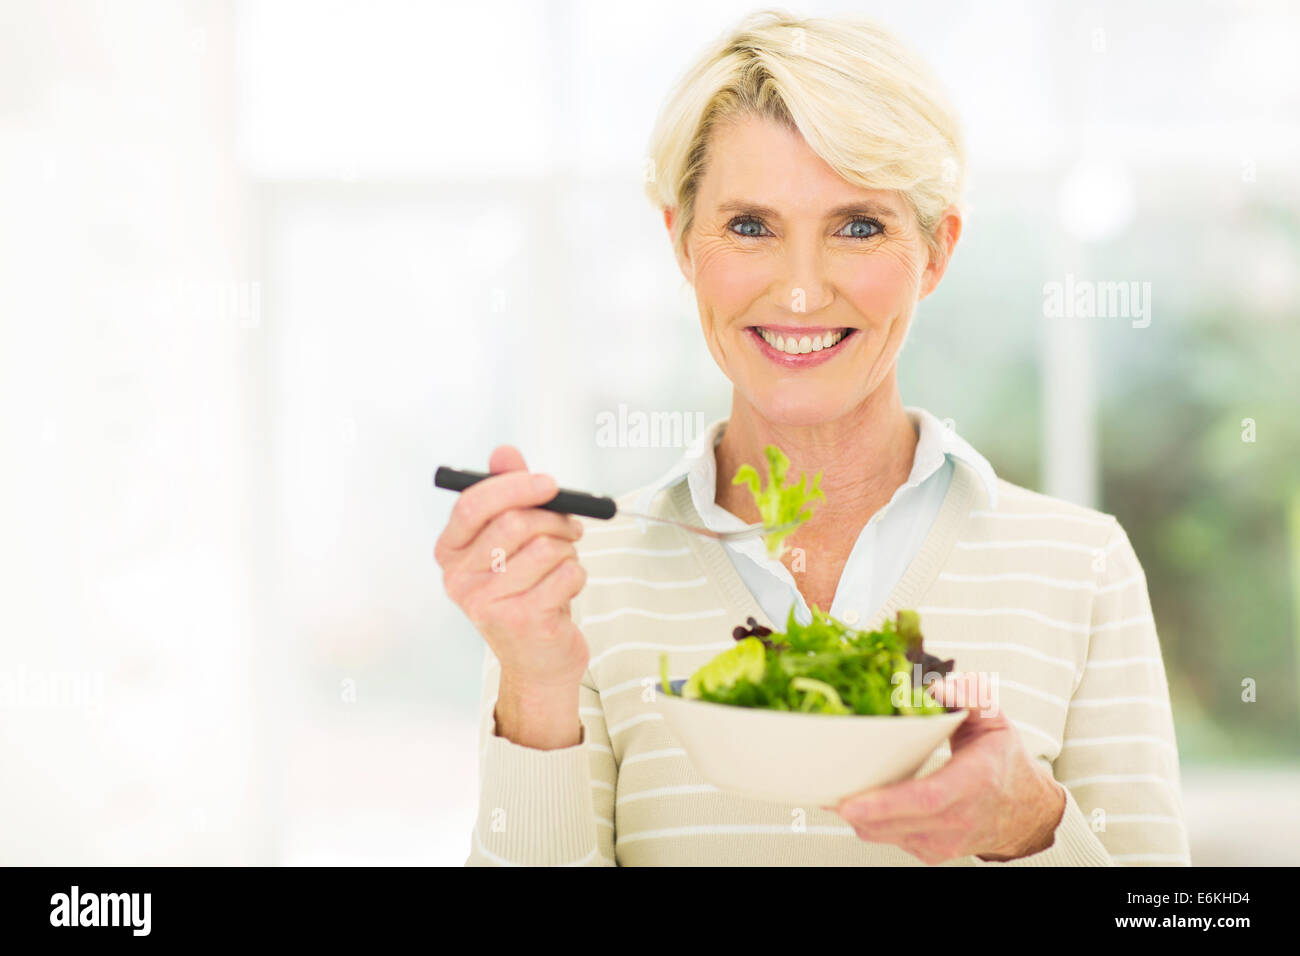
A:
594,506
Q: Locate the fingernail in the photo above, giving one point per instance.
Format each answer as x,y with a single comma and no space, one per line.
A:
577,526
543,483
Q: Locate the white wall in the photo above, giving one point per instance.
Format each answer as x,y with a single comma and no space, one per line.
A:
127,637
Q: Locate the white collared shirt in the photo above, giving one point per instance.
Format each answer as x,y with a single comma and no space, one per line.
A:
885,547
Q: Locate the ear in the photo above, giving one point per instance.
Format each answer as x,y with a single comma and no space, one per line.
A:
683,260
946,233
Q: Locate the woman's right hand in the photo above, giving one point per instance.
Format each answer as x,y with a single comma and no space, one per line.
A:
511,566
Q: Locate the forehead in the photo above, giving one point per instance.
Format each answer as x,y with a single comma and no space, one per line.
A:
758,160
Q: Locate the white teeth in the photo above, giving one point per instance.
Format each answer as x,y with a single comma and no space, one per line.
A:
803,344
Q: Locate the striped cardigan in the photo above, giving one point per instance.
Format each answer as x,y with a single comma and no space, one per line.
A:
1046,595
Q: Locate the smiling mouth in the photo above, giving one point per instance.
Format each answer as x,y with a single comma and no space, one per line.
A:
801,342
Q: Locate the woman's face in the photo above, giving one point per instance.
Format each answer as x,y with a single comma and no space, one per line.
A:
785,256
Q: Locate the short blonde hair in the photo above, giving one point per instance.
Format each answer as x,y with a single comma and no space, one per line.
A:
861,100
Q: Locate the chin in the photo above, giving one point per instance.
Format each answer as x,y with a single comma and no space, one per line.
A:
798,407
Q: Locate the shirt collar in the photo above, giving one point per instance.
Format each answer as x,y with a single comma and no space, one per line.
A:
935,442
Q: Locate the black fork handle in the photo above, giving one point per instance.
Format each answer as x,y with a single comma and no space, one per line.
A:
566,502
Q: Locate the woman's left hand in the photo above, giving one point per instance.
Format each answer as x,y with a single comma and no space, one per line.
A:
989,800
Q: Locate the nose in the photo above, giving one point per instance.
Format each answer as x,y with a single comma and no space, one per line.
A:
804,285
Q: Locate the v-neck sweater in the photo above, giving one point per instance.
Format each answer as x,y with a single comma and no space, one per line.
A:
1046,596
884,546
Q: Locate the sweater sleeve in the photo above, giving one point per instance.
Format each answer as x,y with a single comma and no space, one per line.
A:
544,807
1119,758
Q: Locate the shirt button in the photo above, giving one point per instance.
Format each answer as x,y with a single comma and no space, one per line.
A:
850,616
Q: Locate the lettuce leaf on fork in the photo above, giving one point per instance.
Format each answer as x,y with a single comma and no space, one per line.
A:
779,503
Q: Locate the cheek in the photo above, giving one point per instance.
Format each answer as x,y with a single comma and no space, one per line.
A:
727,282
881,287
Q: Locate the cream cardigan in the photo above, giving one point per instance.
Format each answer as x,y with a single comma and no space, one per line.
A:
1047,595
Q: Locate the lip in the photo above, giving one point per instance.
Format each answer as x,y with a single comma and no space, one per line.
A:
803,359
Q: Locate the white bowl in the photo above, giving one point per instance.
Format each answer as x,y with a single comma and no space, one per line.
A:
801,759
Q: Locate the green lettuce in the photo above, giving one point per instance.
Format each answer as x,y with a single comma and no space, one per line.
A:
779,503
823,667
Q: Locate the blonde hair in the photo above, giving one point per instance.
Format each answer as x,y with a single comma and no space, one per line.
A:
861,100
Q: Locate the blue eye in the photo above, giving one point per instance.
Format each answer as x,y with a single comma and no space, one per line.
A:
859,234
746,221
860,228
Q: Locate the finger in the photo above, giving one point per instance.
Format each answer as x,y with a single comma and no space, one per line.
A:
930,844
908,800
882,803
877,835
895,833
506,535
930,848
530,565
561,584
506,458
976,691
482,502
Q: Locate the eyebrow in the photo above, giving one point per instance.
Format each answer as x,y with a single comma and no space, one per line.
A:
860,208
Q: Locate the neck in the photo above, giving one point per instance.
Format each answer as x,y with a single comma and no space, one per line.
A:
864,456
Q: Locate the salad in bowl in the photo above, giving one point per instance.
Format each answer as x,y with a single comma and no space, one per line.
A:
817,712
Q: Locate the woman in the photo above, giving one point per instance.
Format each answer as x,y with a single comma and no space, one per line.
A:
810,175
